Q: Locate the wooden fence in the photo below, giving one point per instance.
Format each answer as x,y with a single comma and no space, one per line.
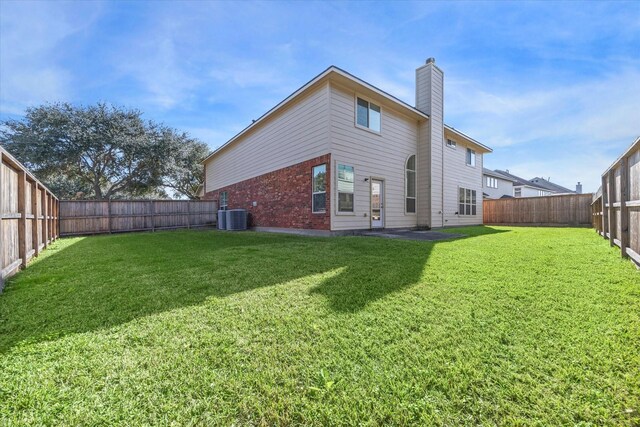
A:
616,208
566,210
28,216
81,217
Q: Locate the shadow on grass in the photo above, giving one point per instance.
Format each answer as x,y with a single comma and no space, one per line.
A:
86,284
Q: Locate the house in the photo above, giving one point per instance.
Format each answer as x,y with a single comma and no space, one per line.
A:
535,187
340,154
555,188
496,185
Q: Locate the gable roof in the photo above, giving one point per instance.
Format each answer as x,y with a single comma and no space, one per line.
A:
496,174
333,72
519,181
550,185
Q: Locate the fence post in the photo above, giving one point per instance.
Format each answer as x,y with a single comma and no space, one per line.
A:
35,225
22,221
1,220
153,216
109,214
624,210
611,192
188,214
45,215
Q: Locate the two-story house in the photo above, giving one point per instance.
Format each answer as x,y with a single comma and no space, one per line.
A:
340,154
496,185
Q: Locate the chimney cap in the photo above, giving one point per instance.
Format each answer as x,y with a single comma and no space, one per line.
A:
431,60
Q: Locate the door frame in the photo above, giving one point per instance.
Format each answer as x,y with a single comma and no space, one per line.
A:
382,208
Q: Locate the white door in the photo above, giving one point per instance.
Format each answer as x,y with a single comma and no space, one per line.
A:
377,204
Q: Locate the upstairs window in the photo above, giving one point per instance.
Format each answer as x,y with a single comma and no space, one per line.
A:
517,192
224,198
319,189
492,182
451,143
410,185
368,115
471,157
467,201
345,188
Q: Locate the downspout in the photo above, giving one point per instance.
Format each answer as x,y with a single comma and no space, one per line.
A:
442,177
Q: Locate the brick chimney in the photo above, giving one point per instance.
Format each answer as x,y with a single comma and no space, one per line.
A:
430,100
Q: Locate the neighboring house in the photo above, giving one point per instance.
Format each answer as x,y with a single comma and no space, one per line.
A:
496,185
555,188
535,187
340,154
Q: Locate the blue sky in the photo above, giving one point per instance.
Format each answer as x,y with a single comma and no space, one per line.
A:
552,87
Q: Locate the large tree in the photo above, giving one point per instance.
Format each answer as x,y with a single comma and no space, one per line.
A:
102,152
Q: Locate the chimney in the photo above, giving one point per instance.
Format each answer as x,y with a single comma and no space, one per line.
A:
579,188
430,153
429,90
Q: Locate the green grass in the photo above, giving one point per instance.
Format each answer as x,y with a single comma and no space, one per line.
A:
509,326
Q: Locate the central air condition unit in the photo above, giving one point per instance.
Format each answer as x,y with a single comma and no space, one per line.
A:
222,219
237,219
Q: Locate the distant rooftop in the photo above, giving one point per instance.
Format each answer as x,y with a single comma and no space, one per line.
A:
550,185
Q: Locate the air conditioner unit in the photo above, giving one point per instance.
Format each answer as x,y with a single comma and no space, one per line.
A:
222,219
237,219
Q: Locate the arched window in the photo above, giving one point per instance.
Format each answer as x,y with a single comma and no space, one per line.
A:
410,185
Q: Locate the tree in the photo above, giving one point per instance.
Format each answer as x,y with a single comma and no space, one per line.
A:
183,171
102,151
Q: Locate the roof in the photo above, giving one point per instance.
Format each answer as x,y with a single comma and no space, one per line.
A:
550,185
496,174
519,181
336,72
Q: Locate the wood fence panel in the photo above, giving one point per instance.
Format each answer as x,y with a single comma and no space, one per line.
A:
572,209
82,217
20,222
619,203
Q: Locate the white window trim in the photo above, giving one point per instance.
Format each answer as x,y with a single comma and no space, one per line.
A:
454,146
489,180
355,114
405,186
313,211
337,195
226,200
470,204
475,159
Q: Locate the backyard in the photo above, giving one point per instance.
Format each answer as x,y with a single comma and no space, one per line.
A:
509,326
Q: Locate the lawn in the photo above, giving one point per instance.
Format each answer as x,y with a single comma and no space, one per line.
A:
508,326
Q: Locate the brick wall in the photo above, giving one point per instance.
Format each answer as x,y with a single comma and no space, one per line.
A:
283,197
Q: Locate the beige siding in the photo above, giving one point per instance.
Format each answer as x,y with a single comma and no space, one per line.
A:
372,155
299,133
430,99
458,174
423,175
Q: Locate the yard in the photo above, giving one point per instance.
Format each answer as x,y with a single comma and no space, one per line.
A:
509,326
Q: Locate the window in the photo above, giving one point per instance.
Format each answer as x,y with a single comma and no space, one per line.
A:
542,193
368,115
517,192
467,201
471,157
345,188
318,189
451,143
492,182
224,197
410,185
